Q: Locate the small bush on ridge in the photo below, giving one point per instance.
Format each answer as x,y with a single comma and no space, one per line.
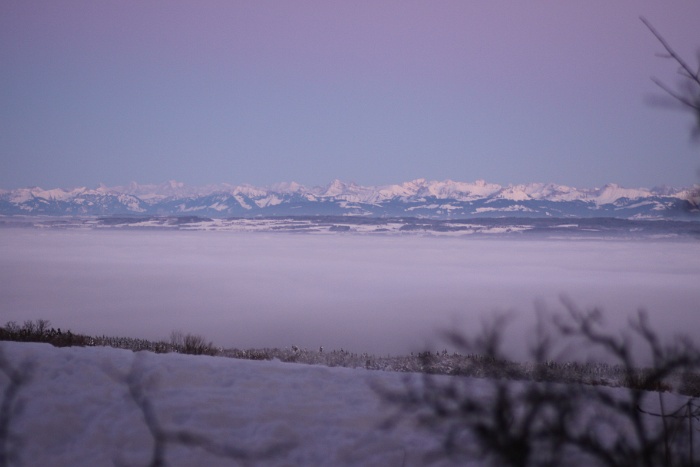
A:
191,344
39,331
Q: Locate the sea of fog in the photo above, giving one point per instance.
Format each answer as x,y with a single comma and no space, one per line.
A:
376,294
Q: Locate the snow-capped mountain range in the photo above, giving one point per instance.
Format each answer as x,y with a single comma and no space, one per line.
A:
417,198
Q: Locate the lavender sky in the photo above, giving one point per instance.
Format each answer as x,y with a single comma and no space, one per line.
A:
368,91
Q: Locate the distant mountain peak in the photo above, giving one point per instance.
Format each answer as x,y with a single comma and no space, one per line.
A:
416,198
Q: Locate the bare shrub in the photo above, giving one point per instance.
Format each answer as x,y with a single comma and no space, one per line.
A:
191,344
687,95
40,331
506,424
500,421
690,384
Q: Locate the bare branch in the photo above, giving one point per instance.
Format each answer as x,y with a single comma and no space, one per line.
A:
501,422
683,100
690,96
694,76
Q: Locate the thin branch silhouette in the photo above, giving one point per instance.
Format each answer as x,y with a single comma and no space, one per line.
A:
689,97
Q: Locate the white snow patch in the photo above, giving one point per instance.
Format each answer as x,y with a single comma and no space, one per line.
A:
513,208
242,202
77,410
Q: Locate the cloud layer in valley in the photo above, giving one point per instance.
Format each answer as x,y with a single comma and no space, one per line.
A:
364,294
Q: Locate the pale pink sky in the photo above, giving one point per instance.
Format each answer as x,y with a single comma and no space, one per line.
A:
369,91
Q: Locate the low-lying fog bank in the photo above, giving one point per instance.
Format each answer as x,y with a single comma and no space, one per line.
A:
364,294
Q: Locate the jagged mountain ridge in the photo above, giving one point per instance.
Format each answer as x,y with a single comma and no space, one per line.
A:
417,198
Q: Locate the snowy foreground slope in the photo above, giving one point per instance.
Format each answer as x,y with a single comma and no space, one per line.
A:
77,410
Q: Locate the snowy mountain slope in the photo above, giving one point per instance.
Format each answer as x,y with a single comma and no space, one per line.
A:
433,199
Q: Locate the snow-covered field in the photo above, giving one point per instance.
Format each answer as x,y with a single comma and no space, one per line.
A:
100,406
363,294
77,410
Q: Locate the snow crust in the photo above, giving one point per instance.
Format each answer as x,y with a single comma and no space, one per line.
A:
77,410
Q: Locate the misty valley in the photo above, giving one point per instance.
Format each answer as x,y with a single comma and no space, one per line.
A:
392,290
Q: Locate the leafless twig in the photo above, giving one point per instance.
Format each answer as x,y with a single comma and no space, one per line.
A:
689,97
525,423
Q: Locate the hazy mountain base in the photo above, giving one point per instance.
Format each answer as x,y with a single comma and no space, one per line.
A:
589,228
